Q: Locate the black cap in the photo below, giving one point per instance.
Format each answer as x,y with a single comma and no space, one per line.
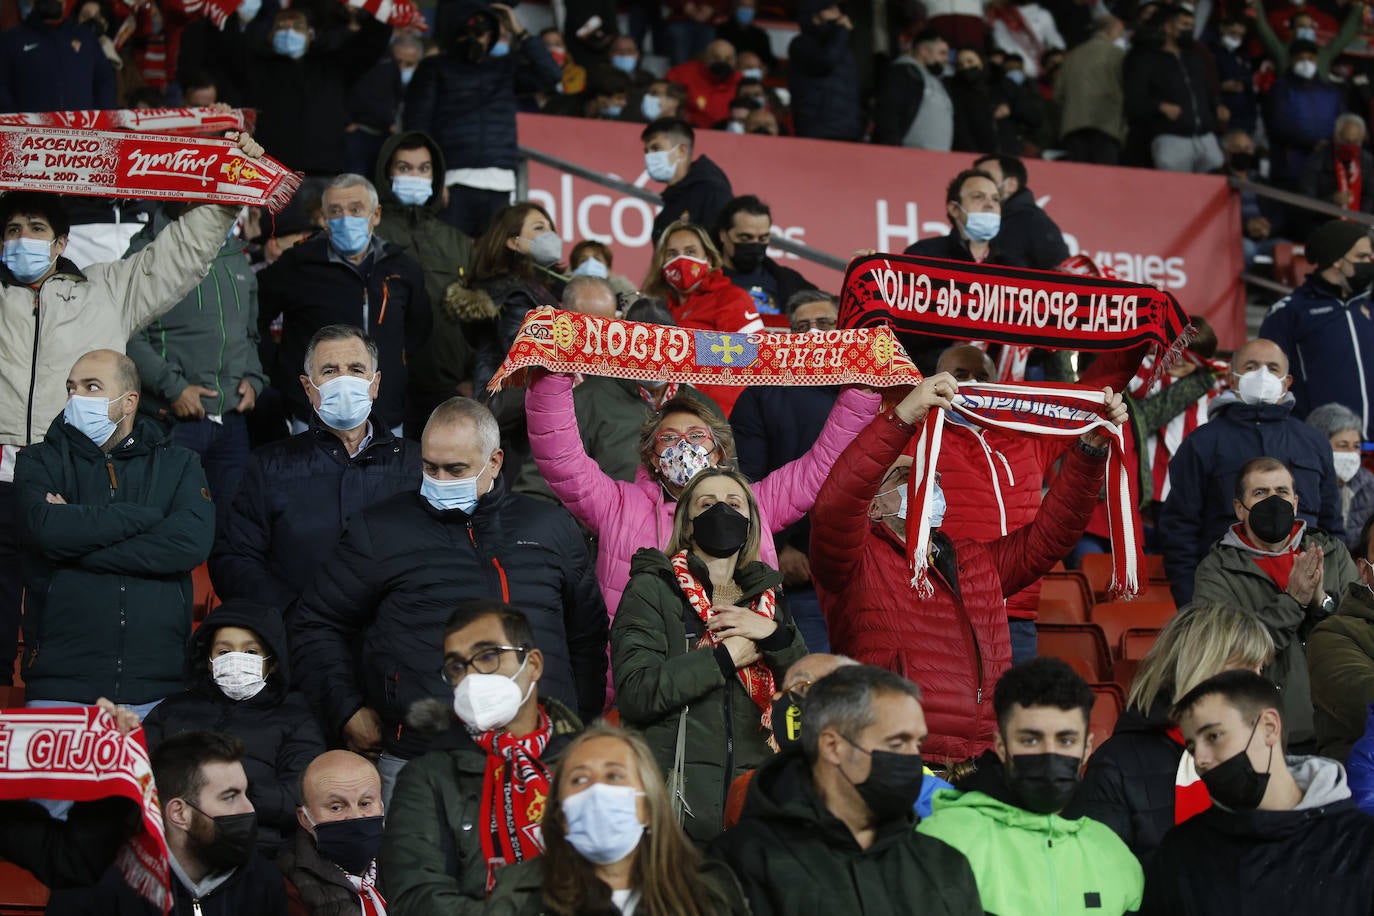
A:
1330,242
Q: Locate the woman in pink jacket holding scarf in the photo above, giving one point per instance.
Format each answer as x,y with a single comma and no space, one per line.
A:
685,438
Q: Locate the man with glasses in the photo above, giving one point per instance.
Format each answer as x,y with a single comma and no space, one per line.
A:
366,632
775,425
742,234
475,802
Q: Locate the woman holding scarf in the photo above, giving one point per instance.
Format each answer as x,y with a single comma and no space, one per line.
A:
699,643
685,272
611,843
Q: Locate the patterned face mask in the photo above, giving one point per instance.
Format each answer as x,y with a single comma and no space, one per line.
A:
681,462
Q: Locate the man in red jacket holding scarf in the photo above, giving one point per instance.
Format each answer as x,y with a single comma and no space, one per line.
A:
955,644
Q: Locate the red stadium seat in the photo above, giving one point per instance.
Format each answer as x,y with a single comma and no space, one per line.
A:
1154,569
1111,700
1119,616
1136,641
205,598
1083,641
1070,587
1097,567
1060,610
21,894
1123,673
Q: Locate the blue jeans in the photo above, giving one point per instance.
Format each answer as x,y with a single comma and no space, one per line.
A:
1024,645
805,608
389,767
223,450
687,39
471,210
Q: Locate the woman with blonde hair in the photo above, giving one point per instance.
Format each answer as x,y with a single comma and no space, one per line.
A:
700,643
1141,782
685,272
612,844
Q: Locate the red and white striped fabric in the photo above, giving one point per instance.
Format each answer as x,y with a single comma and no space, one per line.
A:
399,14
1161,447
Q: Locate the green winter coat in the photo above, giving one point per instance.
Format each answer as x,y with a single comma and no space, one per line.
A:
1340,655
431,859
209,338
658,680
1229,575
1031,864
794,858
445,256
520,888
108,576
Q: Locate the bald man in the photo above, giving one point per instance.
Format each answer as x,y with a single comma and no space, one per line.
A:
993,482
1252,419
332,865
112,519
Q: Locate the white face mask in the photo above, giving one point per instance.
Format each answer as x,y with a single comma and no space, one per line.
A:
489,701
1259,386
901,509
603,822
241,675
1347,465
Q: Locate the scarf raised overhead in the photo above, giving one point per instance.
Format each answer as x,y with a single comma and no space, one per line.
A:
126,164
570,342
515,790
77,754
180,121
1036,409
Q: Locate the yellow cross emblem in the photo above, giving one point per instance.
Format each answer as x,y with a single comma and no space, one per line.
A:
725,350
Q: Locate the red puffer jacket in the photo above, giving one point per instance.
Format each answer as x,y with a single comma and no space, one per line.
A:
954,646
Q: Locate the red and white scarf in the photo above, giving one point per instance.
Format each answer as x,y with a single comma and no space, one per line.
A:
1349,178
1160,446
756,678
515,789
1037,409
399,14
1190,793
120,164
77,754
178,121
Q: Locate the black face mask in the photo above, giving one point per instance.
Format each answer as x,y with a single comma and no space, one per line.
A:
350,844
1184,41
232,845
720,71
787,722
1234,783
893,783
720,531
1243,162
936,69
748,256
1271,519
970,74
1363,275
1043,783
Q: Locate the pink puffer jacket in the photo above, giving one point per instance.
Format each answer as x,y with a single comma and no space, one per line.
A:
628,516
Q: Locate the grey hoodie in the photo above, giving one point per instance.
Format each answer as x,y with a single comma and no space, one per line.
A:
1321,780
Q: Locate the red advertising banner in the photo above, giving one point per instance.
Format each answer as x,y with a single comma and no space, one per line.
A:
1180,232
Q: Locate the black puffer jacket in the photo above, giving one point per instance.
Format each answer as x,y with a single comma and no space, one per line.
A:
490,313
699,197
1028,235
824,78
1129,783
397,574
279,733
470,107
296,498
311,289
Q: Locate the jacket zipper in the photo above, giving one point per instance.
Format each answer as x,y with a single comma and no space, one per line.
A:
502,583
33,371
729,744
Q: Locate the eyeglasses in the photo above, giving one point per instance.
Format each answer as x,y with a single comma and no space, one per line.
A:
696,435
486,661
802,325
798,691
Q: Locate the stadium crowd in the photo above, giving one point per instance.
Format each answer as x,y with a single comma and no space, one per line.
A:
595,645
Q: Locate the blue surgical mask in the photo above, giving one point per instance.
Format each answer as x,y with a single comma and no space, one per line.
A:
591,268
500,49
660,164
982,227
407,73
28,259
753,73
1306,34
345,402
91,417
1016,76
651,106
460,493
613,111
625,63
412,190
248,10
603,822
744,15
349,234
289,42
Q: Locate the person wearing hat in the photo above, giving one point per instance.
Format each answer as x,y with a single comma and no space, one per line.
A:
1326,326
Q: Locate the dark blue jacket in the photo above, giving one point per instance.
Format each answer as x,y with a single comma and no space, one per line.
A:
296,498
823,77
1202,478
1359,766
1301,114
470,108
397,574
47,69
1234,66
1329,341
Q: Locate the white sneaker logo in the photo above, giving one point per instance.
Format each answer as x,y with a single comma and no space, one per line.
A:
30,47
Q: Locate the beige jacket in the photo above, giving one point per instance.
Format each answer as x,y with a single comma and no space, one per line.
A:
43,333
